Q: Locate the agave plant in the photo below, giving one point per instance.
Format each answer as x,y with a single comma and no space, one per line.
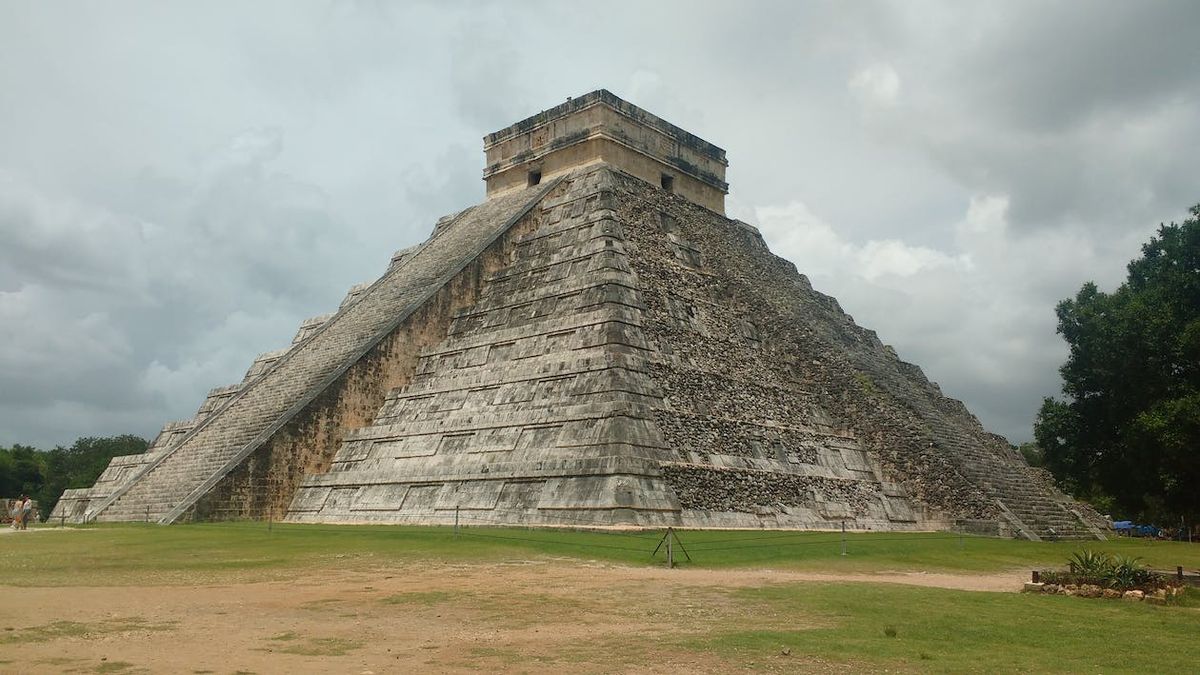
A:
1127,573
1091,564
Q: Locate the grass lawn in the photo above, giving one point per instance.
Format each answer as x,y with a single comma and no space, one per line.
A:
139,554
930,629
724,616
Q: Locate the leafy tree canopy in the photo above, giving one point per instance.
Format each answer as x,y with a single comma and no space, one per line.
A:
1130,428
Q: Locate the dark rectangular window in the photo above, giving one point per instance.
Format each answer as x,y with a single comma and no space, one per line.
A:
668,183
535,177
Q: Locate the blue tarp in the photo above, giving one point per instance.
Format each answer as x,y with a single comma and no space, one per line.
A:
1127,527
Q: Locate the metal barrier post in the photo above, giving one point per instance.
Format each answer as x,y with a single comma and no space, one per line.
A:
456,521
843,537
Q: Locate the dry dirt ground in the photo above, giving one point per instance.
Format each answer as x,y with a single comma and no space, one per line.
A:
523,616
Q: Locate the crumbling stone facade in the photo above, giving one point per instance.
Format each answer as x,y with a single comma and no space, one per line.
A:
597,348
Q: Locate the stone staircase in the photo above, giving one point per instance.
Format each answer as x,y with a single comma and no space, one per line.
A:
164,489
1022,497
122,470
1019,494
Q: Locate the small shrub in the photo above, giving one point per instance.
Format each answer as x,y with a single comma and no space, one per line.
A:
1127,573
1090,569
890,631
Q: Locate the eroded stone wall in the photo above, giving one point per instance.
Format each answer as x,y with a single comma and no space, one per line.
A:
746,343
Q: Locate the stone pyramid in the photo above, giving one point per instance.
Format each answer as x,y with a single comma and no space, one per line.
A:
593,345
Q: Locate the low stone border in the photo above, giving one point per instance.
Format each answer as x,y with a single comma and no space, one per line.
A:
1158,596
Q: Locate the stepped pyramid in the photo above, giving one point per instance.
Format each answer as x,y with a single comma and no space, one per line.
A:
595,344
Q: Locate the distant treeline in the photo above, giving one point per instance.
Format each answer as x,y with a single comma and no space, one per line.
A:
43,475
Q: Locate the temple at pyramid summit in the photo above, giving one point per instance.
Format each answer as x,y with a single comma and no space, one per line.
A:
595,344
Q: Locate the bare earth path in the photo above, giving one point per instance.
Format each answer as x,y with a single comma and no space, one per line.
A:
433,617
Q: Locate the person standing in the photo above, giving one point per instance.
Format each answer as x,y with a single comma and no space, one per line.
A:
26,512
15,511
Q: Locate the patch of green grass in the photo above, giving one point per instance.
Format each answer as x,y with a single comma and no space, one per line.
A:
71,629
507,655
619,653
472,663
46,632
216,552
285,637
1190,599
418,598
330,646
937,630
929,551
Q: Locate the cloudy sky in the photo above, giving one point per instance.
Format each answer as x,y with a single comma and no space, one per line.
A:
182,184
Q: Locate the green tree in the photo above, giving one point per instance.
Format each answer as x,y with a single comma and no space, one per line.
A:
21,471
1032,454
1130,427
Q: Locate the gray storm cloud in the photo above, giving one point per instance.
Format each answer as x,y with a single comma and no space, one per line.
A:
181,185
